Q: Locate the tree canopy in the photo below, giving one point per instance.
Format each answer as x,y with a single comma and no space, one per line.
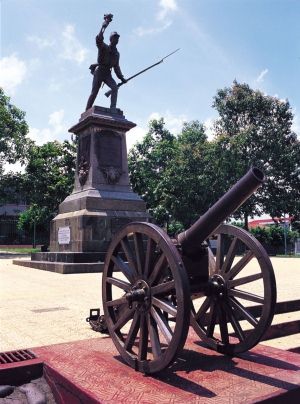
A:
254,129
14,143
49,169
47,181
180,177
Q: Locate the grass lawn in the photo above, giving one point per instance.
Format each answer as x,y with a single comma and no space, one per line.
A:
19,250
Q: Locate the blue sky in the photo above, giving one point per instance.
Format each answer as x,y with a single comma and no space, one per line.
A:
48,45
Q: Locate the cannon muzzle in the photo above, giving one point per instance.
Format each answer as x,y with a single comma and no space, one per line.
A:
191,239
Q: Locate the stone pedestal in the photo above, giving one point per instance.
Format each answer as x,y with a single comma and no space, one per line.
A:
102,200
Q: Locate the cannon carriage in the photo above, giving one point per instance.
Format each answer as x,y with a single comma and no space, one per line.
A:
154,288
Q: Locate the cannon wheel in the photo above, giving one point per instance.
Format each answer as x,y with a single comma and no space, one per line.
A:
146,298
224,320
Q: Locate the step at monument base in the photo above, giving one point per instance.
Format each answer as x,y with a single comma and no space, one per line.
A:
62,267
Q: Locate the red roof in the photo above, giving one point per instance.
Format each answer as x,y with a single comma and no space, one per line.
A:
265,222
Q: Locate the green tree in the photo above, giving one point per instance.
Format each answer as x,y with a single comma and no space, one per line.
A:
254,129
171,174
14,143
186,181
148,163
48,179
12,188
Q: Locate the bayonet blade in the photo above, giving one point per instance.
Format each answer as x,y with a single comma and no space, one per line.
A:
171,53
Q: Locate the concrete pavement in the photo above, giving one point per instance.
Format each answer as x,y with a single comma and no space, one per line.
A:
41,308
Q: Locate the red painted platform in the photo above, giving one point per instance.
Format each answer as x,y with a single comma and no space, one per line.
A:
92,371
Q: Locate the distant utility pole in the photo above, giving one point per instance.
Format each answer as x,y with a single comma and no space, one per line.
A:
34,231
285,235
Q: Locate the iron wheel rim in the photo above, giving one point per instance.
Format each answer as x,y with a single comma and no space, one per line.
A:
224,299
147,259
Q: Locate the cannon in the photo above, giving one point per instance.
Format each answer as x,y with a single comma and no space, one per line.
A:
155,287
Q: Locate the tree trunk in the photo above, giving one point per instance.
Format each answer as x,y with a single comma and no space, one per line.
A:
246,227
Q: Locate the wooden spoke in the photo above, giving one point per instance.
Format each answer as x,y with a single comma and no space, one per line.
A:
163,288
123,319
132,333
244,313
150,249
212,320
223,325
154,337
211,262
203,309
128,252
143,338
119,283
234,322
230,256
240,265
245,295
165,306
162,324
139,252
117,302
244,280
220,253
144,288
229,290
161,263
124,268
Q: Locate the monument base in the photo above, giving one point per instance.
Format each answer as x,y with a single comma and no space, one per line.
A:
64,263
91,371
102,200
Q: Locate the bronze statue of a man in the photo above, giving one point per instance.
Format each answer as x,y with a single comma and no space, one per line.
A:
108,59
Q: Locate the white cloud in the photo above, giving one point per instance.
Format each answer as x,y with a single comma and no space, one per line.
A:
135,135
41,43
172,123
261,76
55,129
72,48
166,6
12,72
140,31
296,125
209,123
163,21
16,167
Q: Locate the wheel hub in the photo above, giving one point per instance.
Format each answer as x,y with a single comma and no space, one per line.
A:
139,293
217,287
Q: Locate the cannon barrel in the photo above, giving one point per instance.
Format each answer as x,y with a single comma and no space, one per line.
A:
191,239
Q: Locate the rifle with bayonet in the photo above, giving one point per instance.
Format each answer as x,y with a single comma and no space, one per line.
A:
108,93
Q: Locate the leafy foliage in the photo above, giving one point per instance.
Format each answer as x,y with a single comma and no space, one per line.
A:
148,164
274,235
254,129
48,179
170,174
14,143
181,177
12,188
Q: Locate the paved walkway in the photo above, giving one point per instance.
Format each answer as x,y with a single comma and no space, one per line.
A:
41,308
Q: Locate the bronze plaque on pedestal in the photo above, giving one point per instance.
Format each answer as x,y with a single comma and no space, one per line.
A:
109,149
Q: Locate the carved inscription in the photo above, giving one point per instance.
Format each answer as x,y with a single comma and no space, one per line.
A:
109,149
64,235
109,155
